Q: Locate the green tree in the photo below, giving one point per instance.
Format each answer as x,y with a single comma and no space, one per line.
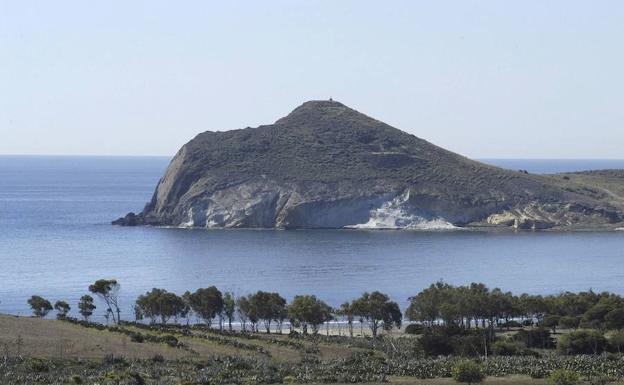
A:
207,303
616,341
551,321
596,316
268,307
187,311
172,306
146,306
62,309
40,306
86,307
615,319
246,313
569,322
108,291
424,307
377,309
464,306
138,312
307,310
229,308
574,304
346,311
533,306
582,342
159,303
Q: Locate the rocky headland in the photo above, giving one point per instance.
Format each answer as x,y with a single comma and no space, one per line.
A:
326,165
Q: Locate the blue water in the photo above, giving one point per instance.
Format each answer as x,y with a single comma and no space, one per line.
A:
551,166
55,239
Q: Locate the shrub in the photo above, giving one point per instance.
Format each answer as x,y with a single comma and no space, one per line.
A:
469,372
470,345
414,329
137,378
435,344
569,322
600,379
38,365
535,338
582,342
111,359
158,358
537,373
591,324
564,377
508,348
137,337
170,340
111,377
443,341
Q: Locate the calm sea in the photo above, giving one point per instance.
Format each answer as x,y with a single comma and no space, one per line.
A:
55,239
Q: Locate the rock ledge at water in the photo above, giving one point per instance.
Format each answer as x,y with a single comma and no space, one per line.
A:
326,165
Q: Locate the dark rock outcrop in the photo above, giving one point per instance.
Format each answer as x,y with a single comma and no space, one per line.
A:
131,219
328,166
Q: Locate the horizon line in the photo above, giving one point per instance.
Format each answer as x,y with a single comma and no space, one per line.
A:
171,156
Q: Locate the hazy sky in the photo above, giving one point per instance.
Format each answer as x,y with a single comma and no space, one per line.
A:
519,79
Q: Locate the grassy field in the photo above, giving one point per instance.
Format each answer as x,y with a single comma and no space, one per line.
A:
60,340
57,339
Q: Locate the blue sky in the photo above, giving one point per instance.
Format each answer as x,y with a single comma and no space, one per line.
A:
524,79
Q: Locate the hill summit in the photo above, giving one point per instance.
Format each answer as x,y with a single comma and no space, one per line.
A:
325,165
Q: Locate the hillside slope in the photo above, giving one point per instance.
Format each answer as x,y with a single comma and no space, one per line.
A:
328,166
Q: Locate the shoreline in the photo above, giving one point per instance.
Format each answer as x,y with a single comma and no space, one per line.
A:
473,228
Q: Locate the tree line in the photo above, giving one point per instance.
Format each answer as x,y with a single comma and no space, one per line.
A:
105,289
465,307
253,311
476,306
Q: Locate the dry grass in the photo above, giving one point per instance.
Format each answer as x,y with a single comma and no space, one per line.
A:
57,339
201,347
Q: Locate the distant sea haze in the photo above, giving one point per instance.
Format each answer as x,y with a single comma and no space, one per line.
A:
56,239
551,166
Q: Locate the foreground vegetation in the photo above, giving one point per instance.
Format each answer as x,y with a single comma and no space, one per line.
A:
170,354
463,334
197,355
237,370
